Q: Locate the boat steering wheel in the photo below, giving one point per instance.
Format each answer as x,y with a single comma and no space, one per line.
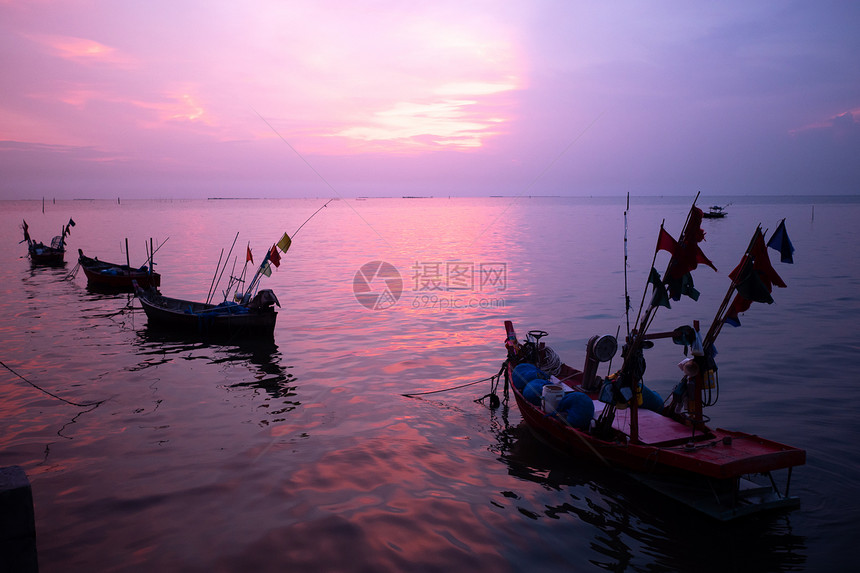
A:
538,334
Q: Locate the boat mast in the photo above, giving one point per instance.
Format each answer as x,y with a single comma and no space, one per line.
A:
720,317
629,368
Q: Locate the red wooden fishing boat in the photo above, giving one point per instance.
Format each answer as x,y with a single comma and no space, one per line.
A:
667,445
116,277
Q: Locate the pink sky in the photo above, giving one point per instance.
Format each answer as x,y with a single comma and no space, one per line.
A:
323,98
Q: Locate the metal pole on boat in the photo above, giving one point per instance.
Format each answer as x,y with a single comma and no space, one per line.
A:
626,294
720,317
127,260
208,300
209,294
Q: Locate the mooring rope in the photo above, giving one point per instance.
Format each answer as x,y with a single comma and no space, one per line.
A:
411,394
37,387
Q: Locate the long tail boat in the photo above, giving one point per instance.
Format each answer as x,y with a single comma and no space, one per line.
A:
716,212
102,275
49,255
249,313
252,319
667,445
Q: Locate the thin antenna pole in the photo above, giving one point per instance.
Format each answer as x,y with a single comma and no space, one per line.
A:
212,291
209,294
296,232
626,294
232,278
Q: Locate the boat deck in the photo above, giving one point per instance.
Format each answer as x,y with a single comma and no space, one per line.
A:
720,453
654,429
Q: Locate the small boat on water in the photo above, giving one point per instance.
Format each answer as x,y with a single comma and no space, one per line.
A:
48,255
117,277
252,319
715,212
247,314
668,445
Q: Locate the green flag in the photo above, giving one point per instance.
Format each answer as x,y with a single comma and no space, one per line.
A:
661,297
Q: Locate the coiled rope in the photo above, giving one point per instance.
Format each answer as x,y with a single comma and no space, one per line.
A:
551,362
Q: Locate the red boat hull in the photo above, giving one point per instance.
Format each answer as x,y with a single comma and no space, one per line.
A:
725,455
104,275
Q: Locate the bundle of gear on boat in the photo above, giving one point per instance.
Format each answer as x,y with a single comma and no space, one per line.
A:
539,374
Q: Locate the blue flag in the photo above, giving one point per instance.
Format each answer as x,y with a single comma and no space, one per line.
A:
779,241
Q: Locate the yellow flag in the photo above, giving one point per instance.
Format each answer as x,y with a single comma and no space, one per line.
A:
284,243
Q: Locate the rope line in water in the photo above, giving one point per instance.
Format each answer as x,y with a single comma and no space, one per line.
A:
447,389
39,388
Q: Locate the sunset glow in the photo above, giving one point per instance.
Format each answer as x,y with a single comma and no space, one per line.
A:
385,93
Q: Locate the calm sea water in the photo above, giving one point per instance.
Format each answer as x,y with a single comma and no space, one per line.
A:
304,455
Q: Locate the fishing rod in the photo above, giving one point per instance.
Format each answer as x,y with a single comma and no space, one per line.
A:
209,294
626,294
158,248
263,265
296,232
232,280
215,286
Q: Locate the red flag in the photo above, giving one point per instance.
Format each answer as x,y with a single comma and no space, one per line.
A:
665,242
754,278
687,254
761,261
248,257
739,305
275,256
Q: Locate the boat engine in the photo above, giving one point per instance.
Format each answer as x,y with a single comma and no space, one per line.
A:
264,299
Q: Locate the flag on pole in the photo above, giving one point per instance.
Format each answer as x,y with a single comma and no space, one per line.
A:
754,278
284,243
686,256
665,242
660,298
249,258
266,269
274,256
780,242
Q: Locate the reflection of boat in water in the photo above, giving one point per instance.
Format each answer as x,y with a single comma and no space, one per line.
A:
623,424
117,277
261,357
53,254
623,522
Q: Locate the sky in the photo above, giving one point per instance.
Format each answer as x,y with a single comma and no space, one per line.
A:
325,98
